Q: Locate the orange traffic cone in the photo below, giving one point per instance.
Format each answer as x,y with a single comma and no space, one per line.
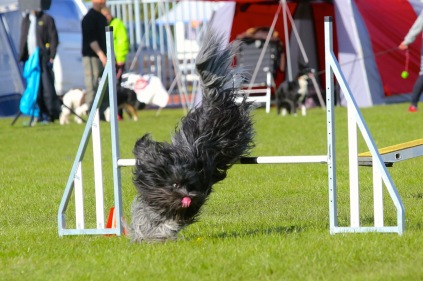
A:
111,221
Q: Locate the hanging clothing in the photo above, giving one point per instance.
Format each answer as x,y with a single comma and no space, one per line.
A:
31,73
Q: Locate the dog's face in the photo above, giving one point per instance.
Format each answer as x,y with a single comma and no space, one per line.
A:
166,179
293,86
304,71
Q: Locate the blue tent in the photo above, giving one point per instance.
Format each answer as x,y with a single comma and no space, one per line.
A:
10,71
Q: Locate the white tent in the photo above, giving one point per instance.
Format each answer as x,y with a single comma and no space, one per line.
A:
188,11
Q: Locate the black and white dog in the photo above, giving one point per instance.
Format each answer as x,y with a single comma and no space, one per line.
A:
174,179
291,95
126,100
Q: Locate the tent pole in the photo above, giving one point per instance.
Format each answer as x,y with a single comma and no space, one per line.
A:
288,52
182,90
305,57
182,94
263,51
16,118
297,36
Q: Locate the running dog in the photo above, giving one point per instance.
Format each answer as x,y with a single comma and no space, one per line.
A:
175,179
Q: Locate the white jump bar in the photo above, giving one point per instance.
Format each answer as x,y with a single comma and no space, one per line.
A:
126,162
259,160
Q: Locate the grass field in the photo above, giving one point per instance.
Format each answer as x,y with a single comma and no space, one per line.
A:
264,222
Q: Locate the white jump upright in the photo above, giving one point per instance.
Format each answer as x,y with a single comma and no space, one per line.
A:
92,128
379,169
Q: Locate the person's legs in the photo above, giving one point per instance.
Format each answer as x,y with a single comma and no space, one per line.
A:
93,69
89,81
417,91
41,102
120,68
98,70
51,102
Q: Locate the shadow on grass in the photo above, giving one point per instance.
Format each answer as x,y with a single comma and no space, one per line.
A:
367,220
415,195
388,221
261,231
416,226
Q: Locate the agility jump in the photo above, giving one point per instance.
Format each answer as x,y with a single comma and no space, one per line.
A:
332,68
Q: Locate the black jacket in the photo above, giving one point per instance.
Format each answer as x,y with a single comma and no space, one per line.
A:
93,29
46,34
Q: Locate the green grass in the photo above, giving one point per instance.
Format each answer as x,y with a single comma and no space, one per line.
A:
264,222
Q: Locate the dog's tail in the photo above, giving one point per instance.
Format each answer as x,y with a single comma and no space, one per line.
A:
225,126
213,63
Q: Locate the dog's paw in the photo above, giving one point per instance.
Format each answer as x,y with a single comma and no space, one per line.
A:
303,110
107,114
63,119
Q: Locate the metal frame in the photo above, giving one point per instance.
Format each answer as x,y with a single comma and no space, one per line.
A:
379,168
380,172
75,178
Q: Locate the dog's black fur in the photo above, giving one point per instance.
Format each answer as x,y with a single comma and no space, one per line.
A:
289,96
174,179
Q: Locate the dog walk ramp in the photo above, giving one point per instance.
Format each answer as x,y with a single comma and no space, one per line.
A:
394,153
92,129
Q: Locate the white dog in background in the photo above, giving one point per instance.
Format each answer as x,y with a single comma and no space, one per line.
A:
149,88
73,99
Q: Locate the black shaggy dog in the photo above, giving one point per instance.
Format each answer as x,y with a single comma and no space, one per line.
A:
175,179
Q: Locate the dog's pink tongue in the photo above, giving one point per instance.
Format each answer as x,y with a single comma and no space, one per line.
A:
186,201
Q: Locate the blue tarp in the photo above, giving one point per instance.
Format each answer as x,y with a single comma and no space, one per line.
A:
32,74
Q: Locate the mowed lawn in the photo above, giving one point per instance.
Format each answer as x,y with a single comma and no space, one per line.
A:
264,222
